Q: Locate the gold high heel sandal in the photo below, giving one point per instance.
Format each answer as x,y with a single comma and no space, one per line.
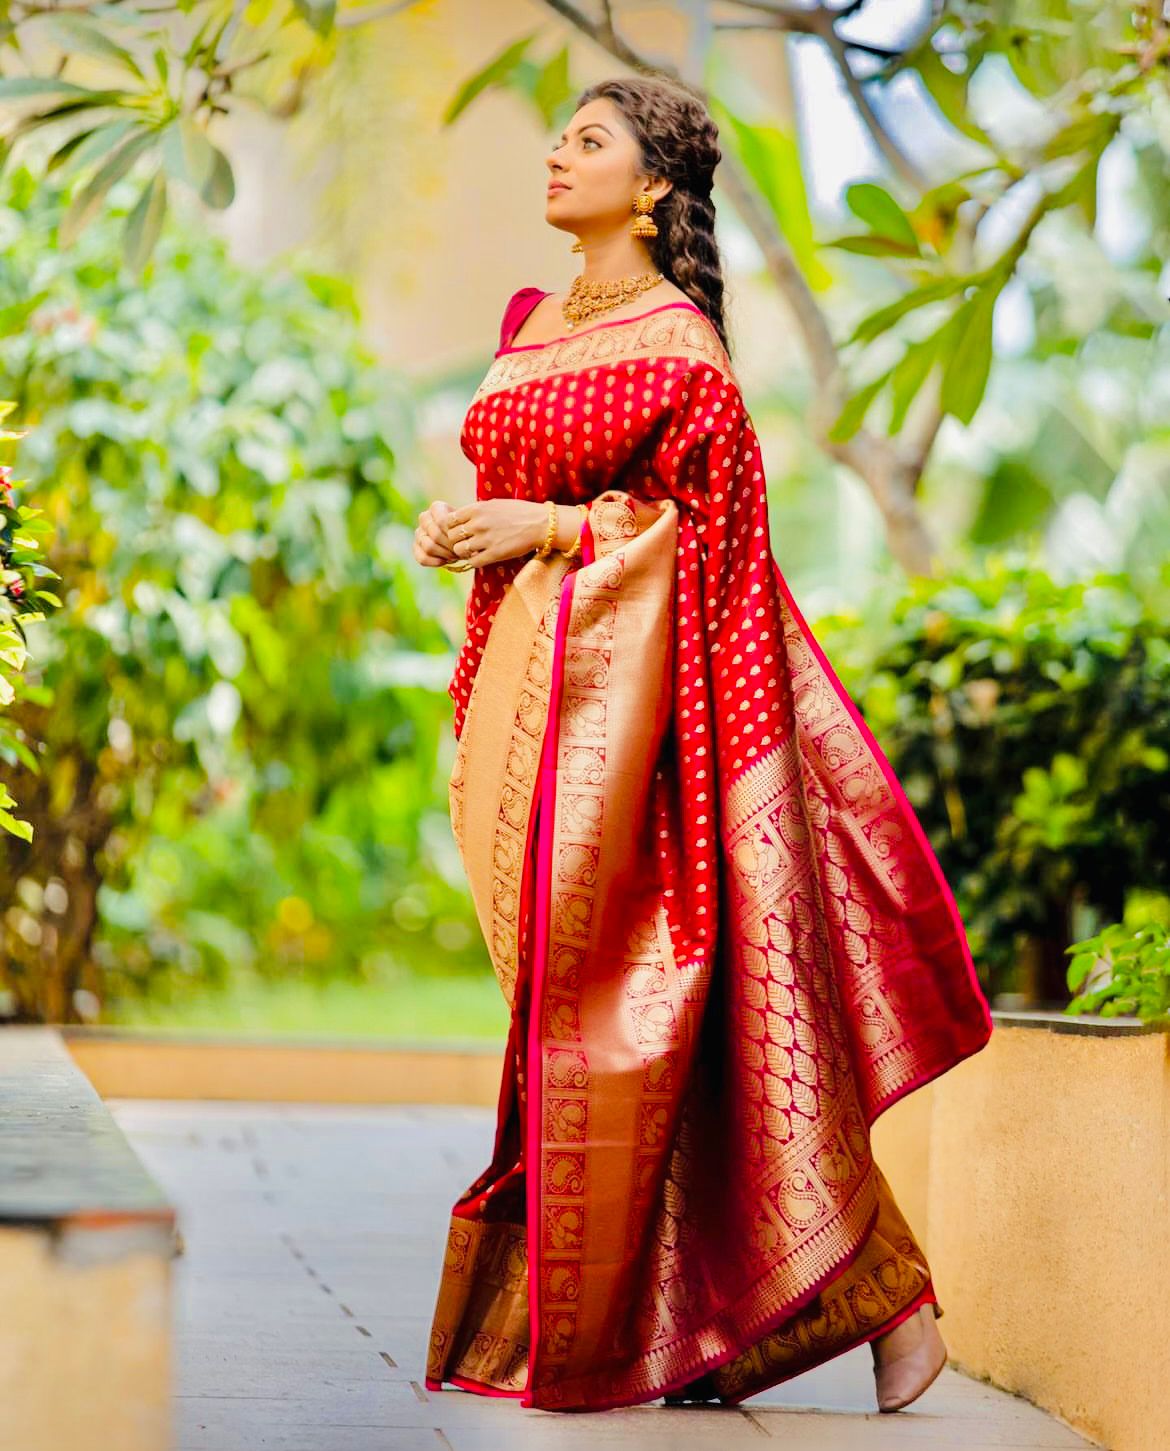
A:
904,1378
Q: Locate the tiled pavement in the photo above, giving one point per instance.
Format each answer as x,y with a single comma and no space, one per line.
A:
313,1236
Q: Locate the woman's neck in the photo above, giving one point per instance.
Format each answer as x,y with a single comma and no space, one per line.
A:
613,258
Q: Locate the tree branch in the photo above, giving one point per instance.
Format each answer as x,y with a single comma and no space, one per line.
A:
872,457
605,35
347,19
885,143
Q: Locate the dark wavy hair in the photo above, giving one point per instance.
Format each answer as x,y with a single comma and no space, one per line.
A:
678,140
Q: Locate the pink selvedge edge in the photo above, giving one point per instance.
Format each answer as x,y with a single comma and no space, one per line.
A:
546,802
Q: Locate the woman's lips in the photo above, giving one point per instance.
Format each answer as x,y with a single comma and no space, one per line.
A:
557,186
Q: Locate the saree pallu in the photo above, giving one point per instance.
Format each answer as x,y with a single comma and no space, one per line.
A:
727,948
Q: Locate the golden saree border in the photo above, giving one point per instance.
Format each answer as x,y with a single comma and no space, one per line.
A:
607,1042
479,1329
499,752
675,331
888,1275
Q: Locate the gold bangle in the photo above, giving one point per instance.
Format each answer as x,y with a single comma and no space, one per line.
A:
546,548
575,548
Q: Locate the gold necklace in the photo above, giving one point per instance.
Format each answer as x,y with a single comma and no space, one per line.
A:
588,299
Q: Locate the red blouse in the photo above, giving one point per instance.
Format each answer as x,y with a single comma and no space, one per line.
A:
568,434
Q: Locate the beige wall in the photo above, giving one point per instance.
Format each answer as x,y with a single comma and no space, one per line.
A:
1038,1173
131,1064
85,1341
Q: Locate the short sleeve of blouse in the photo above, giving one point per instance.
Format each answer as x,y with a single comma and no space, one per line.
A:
520,304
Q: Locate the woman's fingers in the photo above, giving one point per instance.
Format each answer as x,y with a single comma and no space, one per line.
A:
461,534
467,535
431,546
427,553
433,531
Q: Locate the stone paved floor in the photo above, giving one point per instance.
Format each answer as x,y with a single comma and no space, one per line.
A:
313,1235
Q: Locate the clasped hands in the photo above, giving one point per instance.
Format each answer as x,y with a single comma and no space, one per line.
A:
487,531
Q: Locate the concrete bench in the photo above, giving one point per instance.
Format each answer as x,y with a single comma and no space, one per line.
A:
86,1243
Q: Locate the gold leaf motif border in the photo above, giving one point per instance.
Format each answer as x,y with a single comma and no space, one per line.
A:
673,332
498,753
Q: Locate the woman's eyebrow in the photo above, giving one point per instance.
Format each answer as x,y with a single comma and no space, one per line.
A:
587,125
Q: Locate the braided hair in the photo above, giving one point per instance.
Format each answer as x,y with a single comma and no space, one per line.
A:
678,141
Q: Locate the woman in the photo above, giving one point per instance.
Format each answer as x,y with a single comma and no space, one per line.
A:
725,941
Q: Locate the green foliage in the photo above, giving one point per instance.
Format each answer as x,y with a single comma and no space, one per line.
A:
1123,970
155,107
240,710
890,231
544,84
771,157
394,1002
23,600
1073,64
1029,722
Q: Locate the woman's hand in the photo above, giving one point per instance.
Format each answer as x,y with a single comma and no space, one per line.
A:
493,529
430,538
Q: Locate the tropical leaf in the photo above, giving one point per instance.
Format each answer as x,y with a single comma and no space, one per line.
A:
87,143
84,205
875,206
320,14
88,110
145,222
908,376
850,419
874,246
15,825
966,371
550,86
876,323
948,90
79,35
190,156
498,73
1085,133
771,156
20,88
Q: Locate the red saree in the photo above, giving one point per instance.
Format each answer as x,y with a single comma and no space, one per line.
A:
725,940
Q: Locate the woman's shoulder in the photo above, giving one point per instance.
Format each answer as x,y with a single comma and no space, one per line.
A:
696,348
522,301
528,292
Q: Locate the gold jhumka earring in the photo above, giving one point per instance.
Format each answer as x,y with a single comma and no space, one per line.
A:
643,226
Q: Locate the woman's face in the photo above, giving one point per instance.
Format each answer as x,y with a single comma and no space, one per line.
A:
593,171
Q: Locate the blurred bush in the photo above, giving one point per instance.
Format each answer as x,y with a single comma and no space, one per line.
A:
1029,722
239,711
